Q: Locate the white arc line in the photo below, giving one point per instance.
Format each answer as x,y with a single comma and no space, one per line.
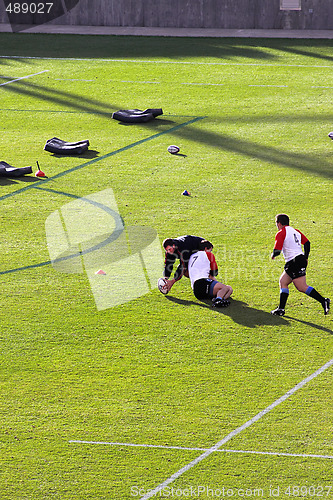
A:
187,448
234,433
23,77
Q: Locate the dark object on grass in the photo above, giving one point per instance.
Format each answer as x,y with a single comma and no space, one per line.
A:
330,135
60,147
136,115
7,170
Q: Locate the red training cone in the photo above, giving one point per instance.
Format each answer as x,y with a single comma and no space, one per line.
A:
39,173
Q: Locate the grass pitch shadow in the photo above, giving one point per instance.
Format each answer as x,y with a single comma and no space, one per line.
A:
227,49
88,155
288,159
6,181
153,124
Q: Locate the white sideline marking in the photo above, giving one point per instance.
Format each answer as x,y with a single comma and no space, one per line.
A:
23,77
74,80
234,433
189,83
141,61
268,85
134,81
275,453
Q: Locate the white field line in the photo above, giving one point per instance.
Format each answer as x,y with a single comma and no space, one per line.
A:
268,85
143,61
134,81
274,453
74,80
138,82
23,77
190,83
234,433
193,83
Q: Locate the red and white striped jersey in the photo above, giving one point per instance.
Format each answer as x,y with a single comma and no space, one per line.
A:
289,241
201,265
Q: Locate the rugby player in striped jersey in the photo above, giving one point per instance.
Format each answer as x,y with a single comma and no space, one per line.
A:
289,241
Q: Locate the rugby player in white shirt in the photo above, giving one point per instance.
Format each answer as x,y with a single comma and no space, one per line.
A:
289,241
202,269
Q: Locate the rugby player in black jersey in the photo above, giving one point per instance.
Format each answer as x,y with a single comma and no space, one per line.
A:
181,248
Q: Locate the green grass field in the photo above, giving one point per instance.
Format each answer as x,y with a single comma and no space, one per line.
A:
80,385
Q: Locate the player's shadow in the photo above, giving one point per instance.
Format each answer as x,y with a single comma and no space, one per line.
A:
184,302
239,312
311,325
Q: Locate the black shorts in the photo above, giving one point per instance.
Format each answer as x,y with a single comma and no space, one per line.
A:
203,288
295,268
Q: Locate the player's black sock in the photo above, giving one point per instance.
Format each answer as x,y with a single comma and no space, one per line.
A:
312,292
284,293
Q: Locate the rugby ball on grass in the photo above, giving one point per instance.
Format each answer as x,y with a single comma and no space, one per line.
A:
162,285
173,150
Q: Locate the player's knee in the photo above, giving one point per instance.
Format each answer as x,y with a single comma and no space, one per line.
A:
230,290
301,285
281,283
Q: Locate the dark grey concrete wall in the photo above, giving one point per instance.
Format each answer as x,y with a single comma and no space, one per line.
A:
232,14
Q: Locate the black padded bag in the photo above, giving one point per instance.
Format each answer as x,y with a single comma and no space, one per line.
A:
60,147
136,115
7,170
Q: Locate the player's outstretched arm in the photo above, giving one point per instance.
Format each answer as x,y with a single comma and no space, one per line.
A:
275,253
